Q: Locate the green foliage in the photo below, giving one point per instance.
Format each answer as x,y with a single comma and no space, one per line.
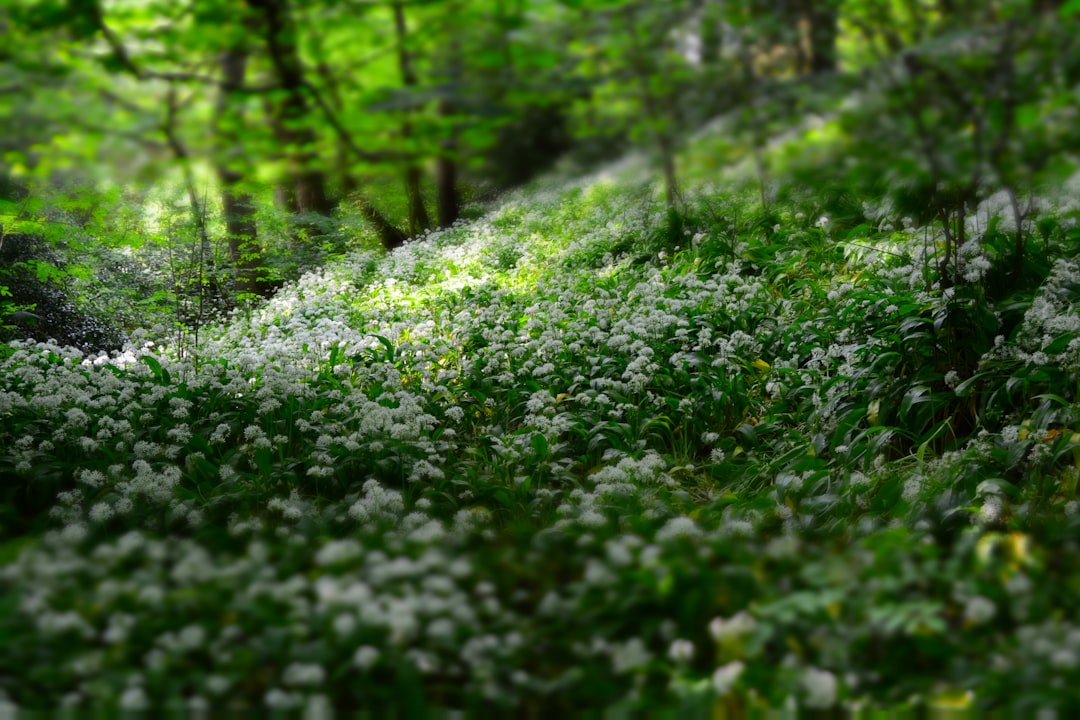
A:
807,437
736,433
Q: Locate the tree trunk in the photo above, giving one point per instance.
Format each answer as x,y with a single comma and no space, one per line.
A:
242,230
311,194
290,117
448,199
710,35
285,198
822,17
389,234
238,206
418,217
654,107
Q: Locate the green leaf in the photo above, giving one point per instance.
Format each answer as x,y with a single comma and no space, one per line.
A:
859,231
160,373
540,444
153,364
490,58
45,271
914,396
1059,344
11,549
388,345
965,387
1028,116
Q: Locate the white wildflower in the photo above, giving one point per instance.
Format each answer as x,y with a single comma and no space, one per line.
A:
726,676
979,610
629,656
821,688
738,625
681,651
365,657
101,512
338,551
678,527
278,699
217,684
304,675
134,699
991,511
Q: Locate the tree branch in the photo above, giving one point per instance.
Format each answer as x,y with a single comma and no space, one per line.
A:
344,135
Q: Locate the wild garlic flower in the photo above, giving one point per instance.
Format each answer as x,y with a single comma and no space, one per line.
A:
681,651
725,676
365,657
979,610
278,699
304,675
134,699
678,527
821,687
737,626
629,656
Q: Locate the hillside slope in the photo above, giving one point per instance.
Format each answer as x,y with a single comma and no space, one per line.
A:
578,453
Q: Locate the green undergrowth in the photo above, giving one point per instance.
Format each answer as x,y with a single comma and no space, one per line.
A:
581,453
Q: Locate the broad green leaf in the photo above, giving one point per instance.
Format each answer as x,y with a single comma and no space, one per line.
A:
540,445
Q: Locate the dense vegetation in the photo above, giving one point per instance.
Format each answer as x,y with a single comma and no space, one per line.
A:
780,411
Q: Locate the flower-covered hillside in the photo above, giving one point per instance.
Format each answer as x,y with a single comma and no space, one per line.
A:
579,453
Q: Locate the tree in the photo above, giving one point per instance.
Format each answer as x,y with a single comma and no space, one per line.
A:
448,198
418,217
630,54
237,204
821,20
291,115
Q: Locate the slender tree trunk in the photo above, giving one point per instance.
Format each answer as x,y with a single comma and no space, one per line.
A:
710,36
822,17
757,125
343,159
418,217
180,152
390,235
448,199
290,117
659,124
238,206
244,250
201,250
311,192
285,198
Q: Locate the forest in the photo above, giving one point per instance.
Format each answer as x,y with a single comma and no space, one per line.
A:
698,358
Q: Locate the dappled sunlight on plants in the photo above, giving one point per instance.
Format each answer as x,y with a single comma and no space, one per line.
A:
742,462
804,434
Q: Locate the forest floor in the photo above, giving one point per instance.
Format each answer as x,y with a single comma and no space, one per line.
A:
581,453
